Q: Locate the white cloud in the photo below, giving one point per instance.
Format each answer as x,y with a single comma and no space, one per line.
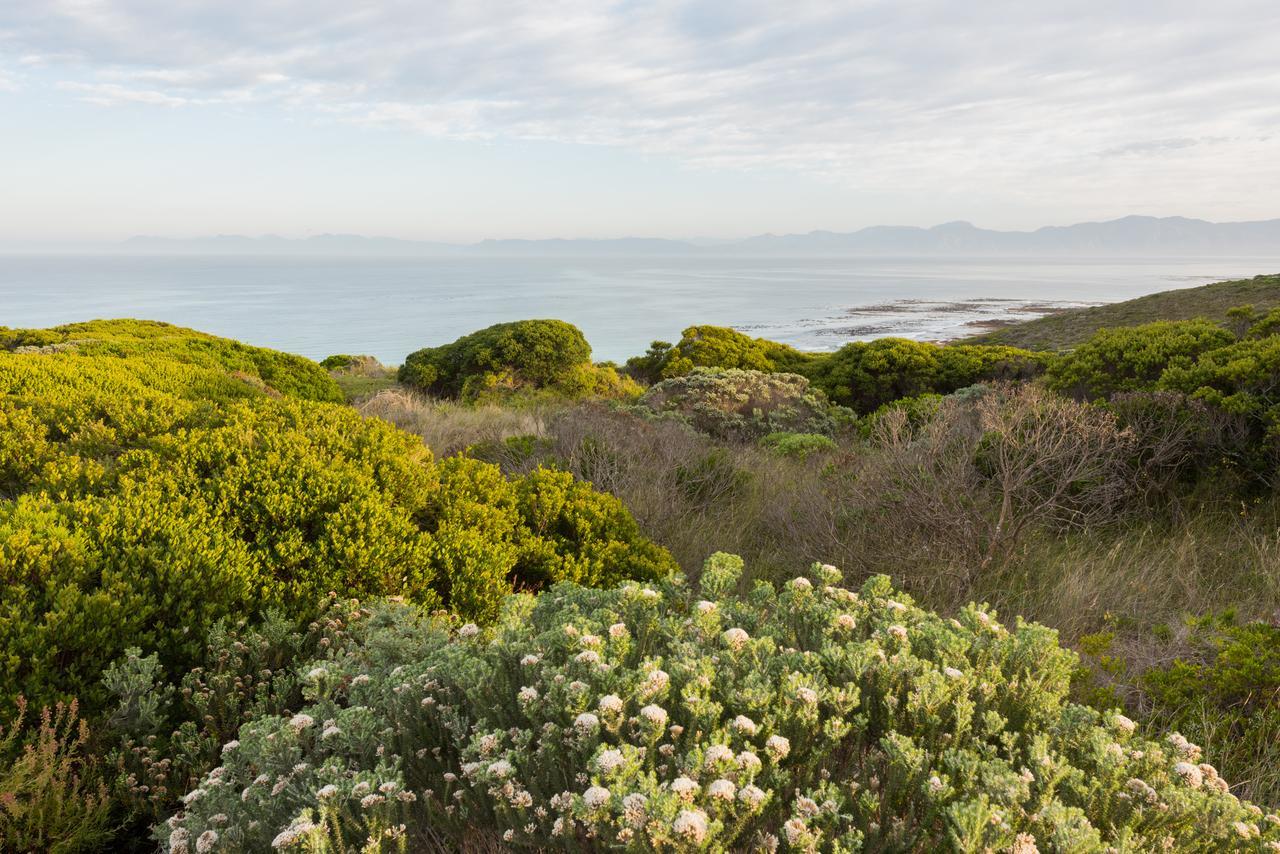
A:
882,96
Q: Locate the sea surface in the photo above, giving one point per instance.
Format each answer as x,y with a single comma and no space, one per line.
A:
390,307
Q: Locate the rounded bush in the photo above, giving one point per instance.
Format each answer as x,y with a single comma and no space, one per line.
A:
526,355
746,405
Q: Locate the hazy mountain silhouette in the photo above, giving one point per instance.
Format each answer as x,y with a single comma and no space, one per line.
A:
1131,235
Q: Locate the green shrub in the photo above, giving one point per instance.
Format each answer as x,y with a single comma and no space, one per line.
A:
799,445
746,405
662,718
52,796
866,375
1133,358
137,342
1224,692
136,512
715,347
1241,377
526,355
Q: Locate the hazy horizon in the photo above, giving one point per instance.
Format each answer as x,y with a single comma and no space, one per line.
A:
462,122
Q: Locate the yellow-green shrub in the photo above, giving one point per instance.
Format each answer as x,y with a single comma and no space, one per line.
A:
514,359
136,511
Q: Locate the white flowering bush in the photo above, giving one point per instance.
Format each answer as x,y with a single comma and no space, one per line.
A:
659,717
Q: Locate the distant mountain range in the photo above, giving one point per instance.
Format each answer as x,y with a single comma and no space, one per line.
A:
1131,235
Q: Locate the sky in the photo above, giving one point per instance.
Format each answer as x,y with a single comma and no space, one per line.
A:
459,121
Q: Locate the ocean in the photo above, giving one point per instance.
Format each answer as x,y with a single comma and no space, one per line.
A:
391,306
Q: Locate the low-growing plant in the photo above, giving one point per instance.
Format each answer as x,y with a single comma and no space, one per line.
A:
665,717
52,796
746,404
1223,690
798,445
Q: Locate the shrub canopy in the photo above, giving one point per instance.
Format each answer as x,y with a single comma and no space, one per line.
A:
145,494
665,718
1133,358
520,356
715,347
865,375
738,404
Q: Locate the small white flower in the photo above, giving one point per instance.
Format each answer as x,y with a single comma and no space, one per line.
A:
898,607
655,683
722,789
801,583
527,694
684,787
618,630
608,761
596,797
952,673
192,796
586,722
501,769
717,753
899,632
530,660
508,835
935,784
362,679
778,746
705,607
748,761
795,831
469,630
206,841
369,801
846,622
1122,723
330,732
806,695
752,796
691,824
1190,774
744,725
230,746
590,640
299,722
610,704
735,638
654,714
588,656
326,792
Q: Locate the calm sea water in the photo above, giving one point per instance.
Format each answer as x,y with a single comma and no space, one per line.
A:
389,307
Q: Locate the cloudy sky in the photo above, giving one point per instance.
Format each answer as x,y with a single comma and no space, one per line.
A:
462,120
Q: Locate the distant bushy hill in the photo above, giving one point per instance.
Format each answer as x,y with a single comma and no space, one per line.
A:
1072,327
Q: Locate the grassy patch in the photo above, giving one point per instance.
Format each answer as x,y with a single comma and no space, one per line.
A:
1069,328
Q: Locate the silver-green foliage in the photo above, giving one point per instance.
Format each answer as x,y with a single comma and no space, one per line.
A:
670,717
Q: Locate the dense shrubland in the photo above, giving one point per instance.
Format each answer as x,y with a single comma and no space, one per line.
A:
666,718
155,483
254,593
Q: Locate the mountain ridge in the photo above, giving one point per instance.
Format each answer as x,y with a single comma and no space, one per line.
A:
1129,235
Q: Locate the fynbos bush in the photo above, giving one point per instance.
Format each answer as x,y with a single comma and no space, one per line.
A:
658,717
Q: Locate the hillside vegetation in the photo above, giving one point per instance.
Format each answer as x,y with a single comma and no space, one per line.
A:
1069,328
492,604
